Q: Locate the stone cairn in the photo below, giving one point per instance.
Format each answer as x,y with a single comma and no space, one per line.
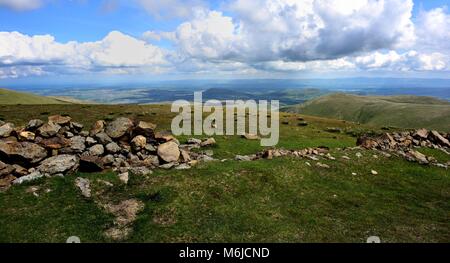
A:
61,146
405,143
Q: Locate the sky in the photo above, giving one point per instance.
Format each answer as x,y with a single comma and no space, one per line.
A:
107,40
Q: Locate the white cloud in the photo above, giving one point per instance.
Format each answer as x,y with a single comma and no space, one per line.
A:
21,5
116,50
302,30
433,29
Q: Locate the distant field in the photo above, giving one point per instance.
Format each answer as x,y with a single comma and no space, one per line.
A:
9,97
398,111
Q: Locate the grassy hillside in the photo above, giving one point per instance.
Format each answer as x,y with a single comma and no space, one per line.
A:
398,111
280,200
10,97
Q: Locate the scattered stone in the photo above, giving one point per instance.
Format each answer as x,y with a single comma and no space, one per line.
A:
59,164
440,139
28,178
60,120
145,129
169,151
91,164
322,165
358,155
345,157
167,166
119,127
417,156
208,142
34,125
90,141
421,133
124,177
77,144
6,130
243,158
249,136
151,160
308,164
84,185
97,127
194,141
140,171
108,159
103,138
48,130
374,172
97,150
113,148
139,142
354,174
22,152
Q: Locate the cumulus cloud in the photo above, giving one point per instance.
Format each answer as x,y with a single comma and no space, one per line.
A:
302,30
21,5
433,29
43,53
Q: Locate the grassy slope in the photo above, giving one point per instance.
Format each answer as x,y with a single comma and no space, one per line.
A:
9,97
399,111
282,200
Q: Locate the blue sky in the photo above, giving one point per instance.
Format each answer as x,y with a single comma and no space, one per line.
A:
223,39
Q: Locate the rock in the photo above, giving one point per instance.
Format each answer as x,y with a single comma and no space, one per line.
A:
75,126
440,139
366,142
250,136
6,130
31,177
5,169
165,136
421,133
97,150
333,130
322,165
124,177
150,148
103,138
84,185
183,166
138,142
49,130
97,127
77,144
91,164
60,120
185,156
169,151
208,142
374,172
417,156
205,158
243,158
59,164
151,161
108,159
22,152
358,155
90,141
194,141
140,171
113,148
119,127
27,136
84,133
19,171
55,143
168,166
6,181
34,125
125,213
145,129
354,174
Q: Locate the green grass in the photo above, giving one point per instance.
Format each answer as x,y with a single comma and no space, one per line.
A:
9,97
398,111
280,200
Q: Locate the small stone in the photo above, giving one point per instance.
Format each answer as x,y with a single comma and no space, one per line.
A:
194,141
34,124
145,129
84,185
103,138
208,142
28,178
119,127
374,172
49,130
250,136
58,164
6,130
90,141
169,151
27,136
124,177
358,155
308,164
97,127
183,166
97,150
113,148
243,158
167,166
60,120
140,171
322,165
354,174
139,142
108,159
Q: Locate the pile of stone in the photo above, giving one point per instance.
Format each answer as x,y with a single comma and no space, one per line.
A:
404,144
61,146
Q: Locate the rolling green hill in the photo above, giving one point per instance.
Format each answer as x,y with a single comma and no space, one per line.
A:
10,97
398,111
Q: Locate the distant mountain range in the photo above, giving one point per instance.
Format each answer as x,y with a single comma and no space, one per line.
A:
397,111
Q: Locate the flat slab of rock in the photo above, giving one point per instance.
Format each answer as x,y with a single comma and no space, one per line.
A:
49,130
59,164
119,127
58,119
169,151
22,152
84,185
